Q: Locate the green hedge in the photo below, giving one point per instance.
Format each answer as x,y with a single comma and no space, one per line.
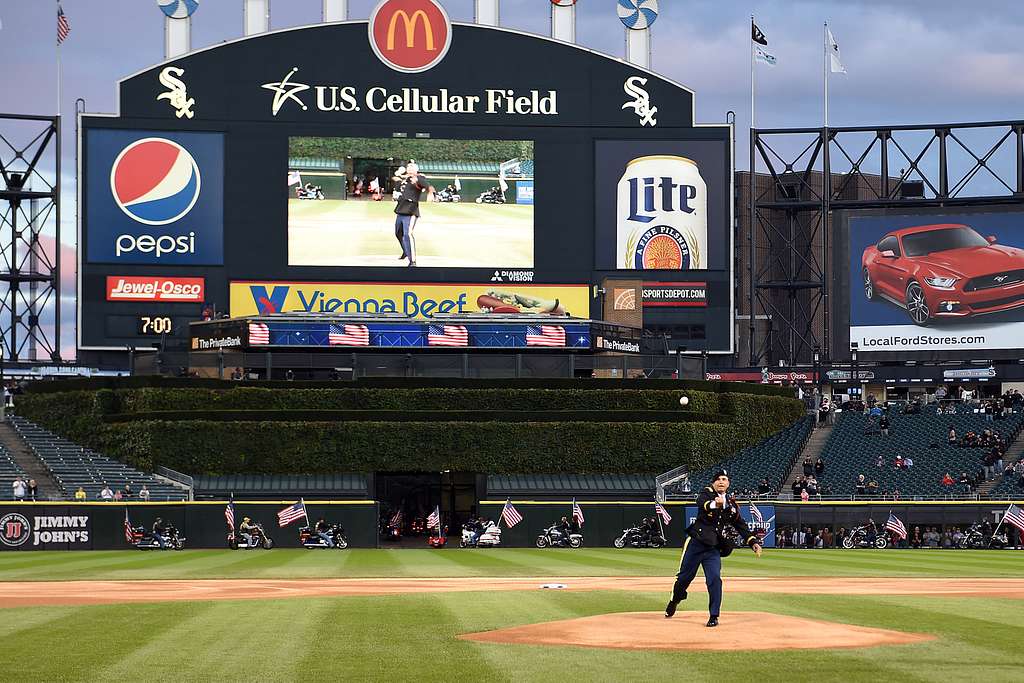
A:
520,444
219,448
421,416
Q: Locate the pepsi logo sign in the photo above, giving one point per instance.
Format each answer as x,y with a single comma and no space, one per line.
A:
410,35
155,181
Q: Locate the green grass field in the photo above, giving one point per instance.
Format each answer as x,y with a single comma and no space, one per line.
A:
362,233
413,637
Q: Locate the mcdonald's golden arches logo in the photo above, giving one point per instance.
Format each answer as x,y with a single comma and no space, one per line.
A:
410,35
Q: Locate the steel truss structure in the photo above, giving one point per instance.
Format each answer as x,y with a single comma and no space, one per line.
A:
30,287
797,180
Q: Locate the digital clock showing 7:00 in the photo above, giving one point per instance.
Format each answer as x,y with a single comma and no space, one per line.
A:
155,325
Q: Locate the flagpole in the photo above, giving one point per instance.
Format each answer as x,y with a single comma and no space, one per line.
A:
753,119
825,47
999,525
60,71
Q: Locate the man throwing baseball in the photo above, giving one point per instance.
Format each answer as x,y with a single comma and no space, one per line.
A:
407,210
706,545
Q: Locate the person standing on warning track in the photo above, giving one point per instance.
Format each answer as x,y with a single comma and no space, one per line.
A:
706,545
411,187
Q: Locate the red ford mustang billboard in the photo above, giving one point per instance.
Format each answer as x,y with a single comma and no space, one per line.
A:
951,282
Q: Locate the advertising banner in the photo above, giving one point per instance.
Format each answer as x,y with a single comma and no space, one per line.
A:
154,197
761,523
675,294
950,282
416,300
135,288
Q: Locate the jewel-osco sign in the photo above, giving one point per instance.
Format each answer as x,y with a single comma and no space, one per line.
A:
410,35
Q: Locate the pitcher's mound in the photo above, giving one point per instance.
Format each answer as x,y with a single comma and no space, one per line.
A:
686,631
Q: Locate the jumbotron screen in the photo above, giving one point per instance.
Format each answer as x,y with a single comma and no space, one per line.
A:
468,203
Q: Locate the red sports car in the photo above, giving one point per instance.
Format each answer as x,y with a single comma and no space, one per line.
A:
943,271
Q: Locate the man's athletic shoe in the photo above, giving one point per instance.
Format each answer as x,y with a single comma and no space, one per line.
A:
670,609
713,621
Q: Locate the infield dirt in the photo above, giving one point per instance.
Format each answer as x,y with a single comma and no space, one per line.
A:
686,631
28,593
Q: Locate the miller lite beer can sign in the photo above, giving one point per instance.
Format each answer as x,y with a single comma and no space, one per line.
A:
662,215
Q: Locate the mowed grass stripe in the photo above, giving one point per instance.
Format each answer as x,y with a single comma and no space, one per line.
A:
299,563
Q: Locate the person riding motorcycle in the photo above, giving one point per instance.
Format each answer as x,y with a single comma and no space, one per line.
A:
247,530
565,528
476,528
870,531
323,530
158,532
649,530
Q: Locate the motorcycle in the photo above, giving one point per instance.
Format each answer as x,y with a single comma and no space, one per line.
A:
312,192
309,538
491,196
975,538
144,540
636,538
489,538
237,541
447,195
552,537
438,540
858,538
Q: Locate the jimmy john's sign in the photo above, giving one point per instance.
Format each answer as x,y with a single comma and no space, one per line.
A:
17,530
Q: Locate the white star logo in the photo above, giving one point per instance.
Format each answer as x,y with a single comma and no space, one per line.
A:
284,91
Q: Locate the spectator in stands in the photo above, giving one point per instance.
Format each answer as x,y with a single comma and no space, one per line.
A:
826,537
819,467
964,483
915,538
144,494
812,486
823,409
127,492
685,483
33,490
931,538
989,409
804,495
951,437
798,538
118,496
840,535
872,488
883,424
18,488
940,393
898,462
808,466
764,489
908,462
106,494
798,486
860,486
947,539
958,535
947,480
879,463
80,494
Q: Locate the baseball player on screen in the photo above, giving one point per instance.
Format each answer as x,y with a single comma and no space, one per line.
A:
706,545
411,187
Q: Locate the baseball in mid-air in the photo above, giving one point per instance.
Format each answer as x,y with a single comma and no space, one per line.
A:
683,400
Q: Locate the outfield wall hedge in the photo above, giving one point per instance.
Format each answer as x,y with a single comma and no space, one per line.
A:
225,430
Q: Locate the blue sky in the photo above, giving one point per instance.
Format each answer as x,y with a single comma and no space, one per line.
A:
909,61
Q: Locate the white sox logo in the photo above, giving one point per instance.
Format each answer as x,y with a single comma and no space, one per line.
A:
177,93
641,103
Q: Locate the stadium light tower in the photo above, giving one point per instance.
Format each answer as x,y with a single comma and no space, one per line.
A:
335,10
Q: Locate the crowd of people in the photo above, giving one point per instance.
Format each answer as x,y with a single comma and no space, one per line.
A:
109,495
949,536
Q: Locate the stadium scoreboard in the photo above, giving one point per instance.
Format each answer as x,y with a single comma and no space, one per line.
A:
259,177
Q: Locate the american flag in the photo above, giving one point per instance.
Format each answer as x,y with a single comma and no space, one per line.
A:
755,514
259,333
510,515
434,520
1015,516
292,513
63,25
229,513
663,513
577,512
545,335
128,535
349,335
447,335
894,525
